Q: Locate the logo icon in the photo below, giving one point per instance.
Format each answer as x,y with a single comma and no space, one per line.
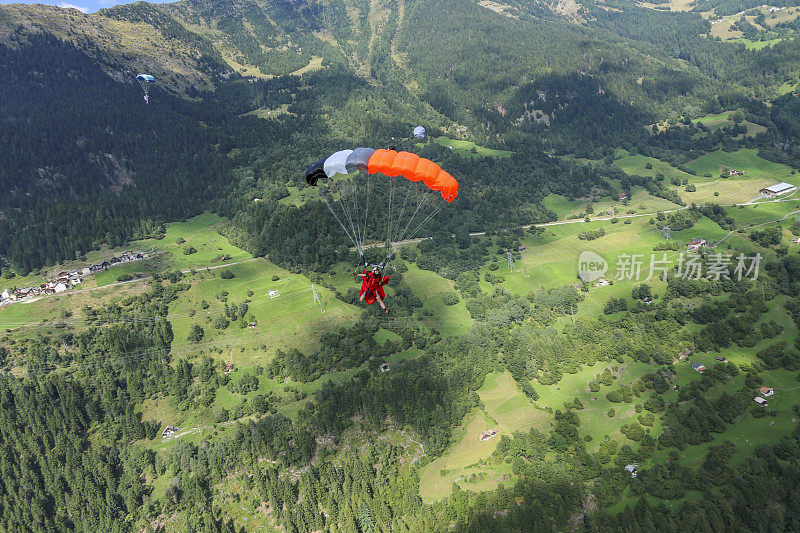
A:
591,266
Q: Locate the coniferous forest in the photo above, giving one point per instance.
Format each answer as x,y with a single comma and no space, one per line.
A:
545,114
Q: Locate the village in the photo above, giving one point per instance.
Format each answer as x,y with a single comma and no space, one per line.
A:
68,279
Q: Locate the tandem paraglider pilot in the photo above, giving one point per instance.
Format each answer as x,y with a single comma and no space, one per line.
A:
372,286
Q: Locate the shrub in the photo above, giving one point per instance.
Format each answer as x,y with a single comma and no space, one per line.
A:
189,250
450,298
227,274
220,322
275,278
196,335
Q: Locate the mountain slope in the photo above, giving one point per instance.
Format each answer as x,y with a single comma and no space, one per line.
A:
521,75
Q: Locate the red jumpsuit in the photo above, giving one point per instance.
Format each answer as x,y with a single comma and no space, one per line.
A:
372,284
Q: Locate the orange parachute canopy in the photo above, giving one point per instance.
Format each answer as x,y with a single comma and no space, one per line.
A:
388,162
414,168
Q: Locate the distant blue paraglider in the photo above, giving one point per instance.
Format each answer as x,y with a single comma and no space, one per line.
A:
146,80
419,132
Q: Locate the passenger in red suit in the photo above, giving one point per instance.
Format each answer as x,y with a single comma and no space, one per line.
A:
372,287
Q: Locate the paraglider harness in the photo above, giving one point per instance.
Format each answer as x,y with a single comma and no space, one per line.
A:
373,282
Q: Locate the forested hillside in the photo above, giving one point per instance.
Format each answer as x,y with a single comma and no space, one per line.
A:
534,81
230,379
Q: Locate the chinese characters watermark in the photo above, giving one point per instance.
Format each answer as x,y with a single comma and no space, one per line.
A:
638,267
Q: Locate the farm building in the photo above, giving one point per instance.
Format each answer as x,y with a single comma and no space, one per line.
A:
696,244
602,282
274,294
169,431
766,391
795,240
228,367
486,435
633,469
385,367
760,401
721,359
700,367
778,188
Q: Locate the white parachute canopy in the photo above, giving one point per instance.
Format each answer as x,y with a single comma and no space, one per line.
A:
419,132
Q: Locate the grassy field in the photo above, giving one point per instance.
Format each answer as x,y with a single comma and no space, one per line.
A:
640,202
594,416
468,461
720,120
200,233
292,319
267,113
63,308
429,287
471,150
551,259
746,160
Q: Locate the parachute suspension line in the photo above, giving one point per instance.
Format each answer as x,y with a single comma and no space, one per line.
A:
389,217
438,208
352,239
395,234
402,238
343,202
366,210
424,197
349,196
356,210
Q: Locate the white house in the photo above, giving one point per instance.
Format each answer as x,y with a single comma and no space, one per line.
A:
5,295
273,294
60,287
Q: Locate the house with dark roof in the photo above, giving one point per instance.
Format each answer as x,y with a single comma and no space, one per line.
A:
700,367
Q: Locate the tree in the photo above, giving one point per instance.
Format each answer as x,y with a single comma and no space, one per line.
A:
196,334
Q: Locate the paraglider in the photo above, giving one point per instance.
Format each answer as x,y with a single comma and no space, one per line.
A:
372,287
419,132
146,80
404,207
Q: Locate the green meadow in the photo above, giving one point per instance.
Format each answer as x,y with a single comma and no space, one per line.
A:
468,461
746,160
199,233
471,150
289,318
430,288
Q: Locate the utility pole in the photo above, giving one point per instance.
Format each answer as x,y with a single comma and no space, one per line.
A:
667,232
510,261
316,298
